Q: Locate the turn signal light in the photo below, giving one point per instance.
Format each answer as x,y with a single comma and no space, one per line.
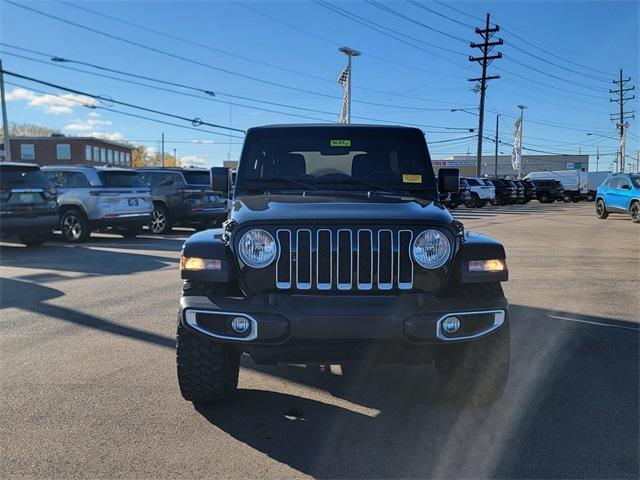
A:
494,265
195,263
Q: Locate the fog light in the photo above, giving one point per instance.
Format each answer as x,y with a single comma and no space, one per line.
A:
451,325
240,324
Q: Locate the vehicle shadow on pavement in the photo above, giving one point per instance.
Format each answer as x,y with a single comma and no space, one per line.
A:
33,297
570,410
82,259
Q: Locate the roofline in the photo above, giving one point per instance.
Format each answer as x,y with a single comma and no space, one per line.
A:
64,137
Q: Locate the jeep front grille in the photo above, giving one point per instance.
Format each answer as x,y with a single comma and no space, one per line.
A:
344,259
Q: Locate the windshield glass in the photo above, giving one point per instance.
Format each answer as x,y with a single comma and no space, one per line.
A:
121,179
199,177
23,177
338,159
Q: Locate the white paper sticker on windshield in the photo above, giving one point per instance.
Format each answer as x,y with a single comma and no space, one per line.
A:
407,178
340,143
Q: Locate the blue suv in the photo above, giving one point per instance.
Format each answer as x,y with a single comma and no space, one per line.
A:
620,193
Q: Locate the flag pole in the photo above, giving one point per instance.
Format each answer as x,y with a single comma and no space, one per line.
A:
346,116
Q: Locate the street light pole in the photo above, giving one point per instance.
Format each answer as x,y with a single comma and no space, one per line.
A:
5,122
495,170
522,109
349,52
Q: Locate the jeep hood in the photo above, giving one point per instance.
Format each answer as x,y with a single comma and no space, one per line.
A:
336,208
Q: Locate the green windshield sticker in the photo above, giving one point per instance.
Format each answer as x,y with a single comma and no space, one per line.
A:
340,143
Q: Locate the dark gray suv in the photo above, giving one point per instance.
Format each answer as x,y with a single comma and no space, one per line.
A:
183,197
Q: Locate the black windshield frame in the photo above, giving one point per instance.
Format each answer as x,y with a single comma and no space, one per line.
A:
407,144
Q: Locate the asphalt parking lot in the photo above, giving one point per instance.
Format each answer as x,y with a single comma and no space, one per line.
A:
88,387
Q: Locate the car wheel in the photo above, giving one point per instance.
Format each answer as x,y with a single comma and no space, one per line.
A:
160,223
132,232
601,209
634,211
472,202
74,226
32,239
544,198
476,372
207,371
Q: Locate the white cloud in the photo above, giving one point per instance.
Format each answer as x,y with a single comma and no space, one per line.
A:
89,124
52,104
112,136
192,161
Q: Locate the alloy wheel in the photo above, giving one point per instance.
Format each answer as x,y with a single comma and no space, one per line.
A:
158,221
72,227
635,212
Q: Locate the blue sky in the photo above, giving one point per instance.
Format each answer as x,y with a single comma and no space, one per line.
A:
415,78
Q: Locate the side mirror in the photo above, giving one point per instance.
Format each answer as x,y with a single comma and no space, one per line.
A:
448,180
220,180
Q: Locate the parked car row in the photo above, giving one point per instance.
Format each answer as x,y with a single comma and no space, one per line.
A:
80,199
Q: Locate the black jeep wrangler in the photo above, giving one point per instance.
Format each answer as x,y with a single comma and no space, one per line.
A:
338,251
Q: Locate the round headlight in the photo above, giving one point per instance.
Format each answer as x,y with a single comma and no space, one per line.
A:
257,248
431,249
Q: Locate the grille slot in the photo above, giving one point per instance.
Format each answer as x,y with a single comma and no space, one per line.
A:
283,265
303,259
405,263
346,259
324,260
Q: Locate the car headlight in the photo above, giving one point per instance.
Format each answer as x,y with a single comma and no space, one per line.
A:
257,248
431,249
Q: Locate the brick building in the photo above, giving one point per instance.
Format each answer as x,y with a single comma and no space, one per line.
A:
60,149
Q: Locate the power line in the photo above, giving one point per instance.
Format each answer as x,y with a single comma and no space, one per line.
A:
413,20
194,121
120,112
424,7
389,32
218,50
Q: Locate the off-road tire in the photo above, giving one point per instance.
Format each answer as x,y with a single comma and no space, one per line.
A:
473,201
475,372
601,209
207,370
634,212
74,226
32,240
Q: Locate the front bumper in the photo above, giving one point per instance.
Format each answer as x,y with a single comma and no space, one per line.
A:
319,328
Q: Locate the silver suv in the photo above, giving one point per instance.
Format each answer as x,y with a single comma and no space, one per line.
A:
96,198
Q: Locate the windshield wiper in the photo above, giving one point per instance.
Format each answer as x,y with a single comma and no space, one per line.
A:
356,181
291,181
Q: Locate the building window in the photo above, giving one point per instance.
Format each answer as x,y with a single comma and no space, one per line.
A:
127,159
103,155
96,154
121,158
63,151
110,156
27,151
87,153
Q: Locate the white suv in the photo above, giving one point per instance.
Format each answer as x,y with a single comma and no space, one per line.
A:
96,198
482,192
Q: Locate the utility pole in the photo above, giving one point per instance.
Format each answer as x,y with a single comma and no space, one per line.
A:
5,122
162,157
175,158
495,169
349,52
522,109
485,47
622,116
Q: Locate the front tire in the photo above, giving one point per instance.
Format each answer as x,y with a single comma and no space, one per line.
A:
601,209
634,212
160,223
476,372
75,226
207,371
